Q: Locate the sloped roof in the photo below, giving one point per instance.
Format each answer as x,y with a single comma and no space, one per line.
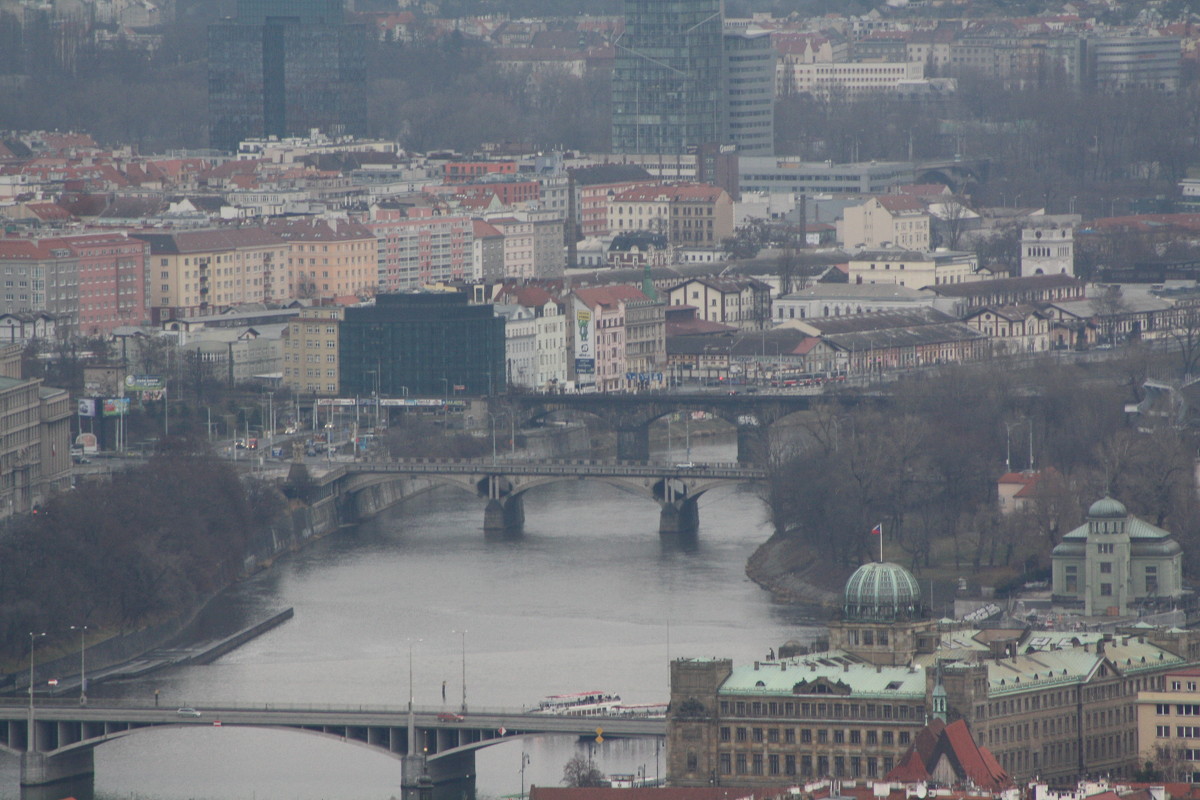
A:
609,295
970,762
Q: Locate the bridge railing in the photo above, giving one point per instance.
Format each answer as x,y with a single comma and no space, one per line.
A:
101,704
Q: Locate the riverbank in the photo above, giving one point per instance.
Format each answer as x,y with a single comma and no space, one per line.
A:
793,574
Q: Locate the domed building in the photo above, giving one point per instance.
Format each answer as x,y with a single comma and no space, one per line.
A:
882,618
1114,561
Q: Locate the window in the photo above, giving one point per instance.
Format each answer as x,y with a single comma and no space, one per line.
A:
1106,590
1105,567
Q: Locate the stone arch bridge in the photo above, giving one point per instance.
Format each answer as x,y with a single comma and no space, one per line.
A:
368,486
631,415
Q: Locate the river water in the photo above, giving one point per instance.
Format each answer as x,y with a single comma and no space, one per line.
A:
589,597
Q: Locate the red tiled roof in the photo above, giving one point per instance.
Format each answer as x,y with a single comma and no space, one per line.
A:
656,793
900,202
954,741
671,192
609,295
484,229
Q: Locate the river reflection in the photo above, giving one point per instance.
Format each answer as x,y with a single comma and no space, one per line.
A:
589,598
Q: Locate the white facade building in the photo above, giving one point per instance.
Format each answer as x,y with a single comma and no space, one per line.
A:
1048,250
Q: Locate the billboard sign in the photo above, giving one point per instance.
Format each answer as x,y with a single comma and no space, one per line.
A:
585,342
116,406
87,406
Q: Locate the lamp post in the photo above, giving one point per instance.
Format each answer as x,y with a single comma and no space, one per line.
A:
82,664
33,637
463,633
412,723
524,762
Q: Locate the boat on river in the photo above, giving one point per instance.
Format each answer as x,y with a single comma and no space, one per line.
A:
579,704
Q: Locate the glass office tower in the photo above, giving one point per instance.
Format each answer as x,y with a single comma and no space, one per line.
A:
284,67
668,84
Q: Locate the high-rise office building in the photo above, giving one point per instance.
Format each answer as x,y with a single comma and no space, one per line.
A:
284,67
750,91
668,79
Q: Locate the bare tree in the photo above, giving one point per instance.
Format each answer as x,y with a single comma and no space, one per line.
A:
1109,307
581,772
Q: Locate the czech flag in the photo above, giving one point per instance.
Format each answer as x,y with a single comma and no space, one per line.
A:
877,530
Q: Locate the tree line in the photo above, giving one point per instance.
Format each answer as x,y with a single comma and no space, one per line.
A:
117,555
925,461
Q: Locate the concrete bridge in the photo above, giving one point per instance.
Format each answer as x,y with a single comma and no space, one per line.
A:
630,415
675,487
56,740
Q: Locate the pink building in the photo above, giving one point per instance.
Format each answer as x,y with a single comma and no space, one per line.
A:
598,315
419,246
112,280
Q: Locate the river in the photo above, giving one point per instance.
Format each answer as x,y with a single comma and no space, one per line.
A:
589,597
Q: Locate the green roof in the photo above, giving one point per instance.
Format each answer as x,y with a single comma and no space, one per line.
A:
780,678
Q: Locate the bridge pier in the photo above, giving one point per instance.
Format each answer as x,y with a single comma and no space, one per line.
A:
633,443
681,515
752,441
415,783
43,769
504,514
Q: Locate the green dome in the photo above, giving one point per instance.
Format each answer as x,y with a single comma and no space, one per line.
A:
1107,508
881,592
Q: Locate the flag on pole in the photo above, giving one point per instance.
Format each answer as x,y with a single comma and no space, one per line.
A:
877,530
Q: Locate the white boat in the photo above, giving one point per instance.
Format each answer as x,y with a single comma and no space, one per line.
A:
579,704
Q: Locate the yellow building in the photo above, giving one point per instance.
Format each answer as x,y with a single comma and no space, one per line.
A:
329,258
310,351
1168,721
915,269
192,273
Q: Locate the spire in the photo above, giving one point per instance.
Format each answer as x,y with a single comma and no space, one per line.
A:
939,696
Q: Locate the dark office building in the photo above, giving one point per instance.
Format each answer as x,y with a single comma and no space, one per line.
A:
668,78
283,67
422,345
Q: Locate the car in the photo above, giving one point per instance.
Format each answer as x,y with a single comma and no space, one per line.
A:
447,716
188,712
685,465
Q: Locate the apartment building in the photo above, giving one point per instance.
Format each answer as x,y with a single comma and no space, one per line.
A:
329,258
311,347
193,273
418,246
1168,720
689,214
40,277
891,220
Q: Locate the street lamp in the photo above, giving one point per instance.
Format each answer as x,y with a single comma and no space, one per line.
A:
412,723
33,637
463,633
82,664
524,762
